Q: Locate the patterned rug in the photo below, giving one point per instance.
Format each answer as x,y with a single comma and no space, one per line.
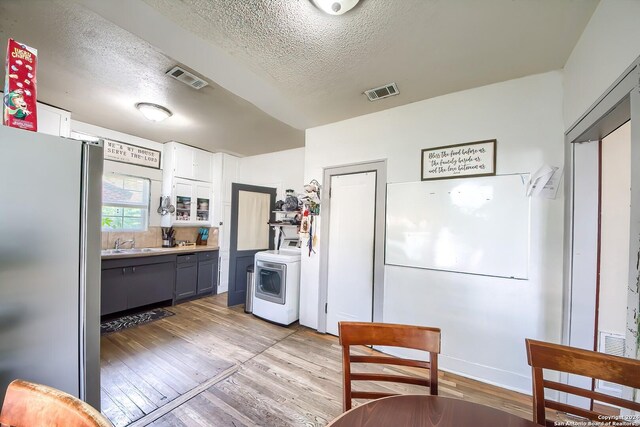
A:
132,320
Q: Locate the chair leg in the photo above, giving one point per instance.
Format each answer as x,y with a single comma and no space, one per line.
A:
346,379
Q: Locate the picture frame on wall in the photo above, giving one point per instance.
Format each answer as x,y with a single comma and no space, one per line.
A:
471,159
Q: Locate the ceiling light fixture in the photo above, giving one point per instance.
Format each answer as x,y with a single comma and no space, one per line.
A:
335,7
153,112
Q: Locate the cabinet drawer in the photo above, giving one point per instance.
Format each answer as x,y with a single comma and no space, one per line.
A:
205,256
187,259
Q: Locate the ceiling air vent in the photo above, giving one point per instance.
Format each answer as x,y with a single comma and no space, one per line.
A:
187,78
382,92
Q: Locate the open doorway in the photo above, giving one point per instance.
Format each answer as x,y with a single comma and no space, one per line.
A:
615,199
602,229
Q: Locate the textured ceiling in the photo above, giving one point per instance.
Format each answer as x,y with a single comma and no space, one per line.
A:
98,71
323,63
277,67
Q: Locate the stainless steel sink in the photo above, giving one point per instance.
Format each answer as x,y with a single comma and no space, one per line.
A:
128,251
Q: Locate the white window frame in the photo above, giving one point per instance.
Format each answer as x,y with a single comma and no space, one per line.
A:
145,206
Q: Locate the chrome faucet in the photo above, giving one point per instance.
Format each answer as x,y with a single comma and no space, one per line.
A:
119,243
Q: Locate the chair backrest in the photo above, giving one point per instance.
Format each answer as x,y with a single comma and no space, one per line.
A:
393,335
561,358
29,404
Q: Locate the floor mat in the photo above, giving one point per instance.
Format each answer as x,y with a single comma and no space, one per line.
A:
132,320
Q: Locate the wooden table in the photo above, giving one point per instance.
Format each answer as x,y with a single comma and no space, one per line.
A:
426,411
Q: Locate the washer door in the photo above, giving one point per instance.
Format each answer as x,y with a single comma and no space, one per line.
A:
271,281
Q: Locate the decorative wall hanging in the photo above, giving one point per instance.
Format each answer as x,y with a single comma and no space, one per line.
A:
459,161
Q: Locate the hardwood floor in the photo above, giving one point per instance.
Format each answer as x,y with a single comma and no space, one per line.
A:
213,366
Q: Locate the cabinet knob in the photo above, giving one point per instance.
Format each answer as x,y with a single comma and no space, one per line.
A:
123,271
134,269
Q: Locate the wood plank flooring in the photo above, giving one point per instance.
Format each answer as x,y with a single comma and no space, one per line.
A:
282,376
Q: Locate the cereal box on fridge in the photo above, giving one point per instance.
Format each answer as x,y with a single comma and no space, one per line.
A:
19,100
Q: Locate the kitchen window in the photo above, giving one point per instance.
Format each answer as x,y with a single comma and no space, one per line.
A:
125,203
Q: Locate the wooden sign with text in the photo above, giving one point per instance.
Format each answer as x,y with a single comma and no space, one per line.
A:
128,153
460,160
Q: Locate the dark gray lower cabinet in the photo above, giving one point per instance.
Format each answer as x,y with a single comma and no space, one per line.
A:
133,282
151,283
207,273
186,276
196,275
114,291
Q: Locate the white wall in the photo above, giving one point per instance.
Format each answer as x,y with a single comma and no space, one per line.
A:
484,320
614,230
608,45
155,175
282,170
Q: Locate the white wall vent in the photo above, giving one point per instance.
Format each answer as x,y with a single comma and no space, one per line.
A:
187,78
613,344
382,92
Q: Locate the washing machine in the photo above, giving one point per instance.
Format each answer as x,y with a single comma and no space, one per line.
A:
276,294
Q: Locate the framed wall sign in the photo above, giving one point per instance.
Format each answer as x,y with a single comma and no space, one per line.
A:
133,154
459,161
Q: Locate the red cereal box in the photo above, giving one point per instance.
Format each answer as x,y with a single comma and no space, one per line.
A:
19,100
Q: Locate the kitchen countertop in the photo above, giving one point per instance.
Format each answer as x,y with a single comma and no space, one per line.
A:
145,252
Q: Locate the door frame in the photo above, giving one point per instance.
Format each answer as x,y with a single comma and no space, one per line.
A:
620,102
233,234
380,167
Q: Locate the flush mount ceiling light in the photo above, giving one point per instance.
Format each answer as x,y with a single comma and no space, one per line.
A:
335,7
153,112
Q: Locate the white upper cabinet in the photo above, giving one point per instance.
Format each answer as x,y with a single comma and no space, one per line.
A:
187,177
183,165
188,162
202,161
192,200
53,121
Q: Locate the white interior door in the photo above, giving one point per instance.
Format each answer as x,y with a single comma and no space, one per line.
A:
351,249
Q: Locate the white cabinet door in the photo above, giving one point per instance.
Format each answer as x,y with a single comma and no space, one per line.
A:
203,203
217,212
229,176
202,165
223,266
184,162
183,200
53,121
192,201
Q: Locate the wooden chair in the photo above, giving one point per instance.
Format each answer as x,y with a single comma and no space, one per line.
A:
387,334
543,355
28,404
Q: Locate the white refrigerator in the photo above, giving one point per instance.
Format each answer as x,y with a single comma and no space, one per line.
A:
50,204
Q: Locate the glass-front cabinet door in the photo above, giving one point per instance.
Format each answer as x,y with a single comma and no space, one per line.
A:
184,197
203,203
193,202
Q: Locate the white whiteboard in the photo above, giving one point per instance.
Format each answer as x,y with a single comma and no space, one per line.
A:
473,225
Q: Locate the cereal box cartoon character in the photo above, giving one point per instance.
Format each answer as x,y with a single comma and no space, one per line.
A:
16,105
